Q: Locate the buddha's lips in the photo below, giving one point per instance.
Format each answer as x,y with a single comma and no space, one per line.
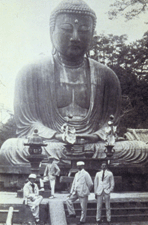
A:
75,46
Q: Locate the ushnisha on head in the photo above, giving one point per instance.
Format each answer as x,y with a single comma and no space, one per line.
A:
72,26
72,7
80,165
32,177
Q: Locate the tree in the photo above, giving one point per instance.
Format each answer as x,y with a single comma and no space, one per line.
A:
130,64
107,49
128,8
7,130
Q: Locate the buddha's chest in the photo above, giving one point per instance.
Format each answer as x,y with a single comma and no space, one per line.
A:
72,87
68,93
72,91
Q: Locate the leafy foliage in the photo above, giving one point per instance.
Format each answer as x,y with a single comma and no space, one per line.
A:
7,130
128,8
130,64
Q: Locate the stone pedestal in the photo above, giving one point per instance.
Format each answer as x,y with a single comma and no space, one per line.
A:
45,194
35,160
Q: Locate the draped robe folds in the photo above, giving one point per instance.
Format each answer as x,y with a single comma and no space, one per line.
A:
35,100
35,106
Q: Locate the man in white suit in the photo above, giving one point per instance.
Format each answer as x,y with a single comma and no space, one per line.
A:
103,185
81,186
32,197
51,171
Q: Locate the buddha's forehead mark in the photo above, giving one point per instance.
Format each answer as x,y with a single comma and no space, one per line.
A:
76,21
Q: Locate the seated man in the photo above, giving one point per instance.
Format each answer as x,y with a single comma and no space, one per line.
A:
32,197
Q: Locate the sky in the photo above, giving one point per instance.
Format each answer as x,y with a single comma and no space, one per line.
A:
24,35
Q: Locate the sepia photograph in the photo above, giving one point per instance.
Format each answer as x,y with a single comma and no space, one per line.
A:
73,112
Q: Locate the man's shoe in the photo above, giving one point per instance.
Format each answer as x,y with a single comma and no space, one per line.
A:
37,221
98,222
108,222
71,216
81,222
42,189
52,196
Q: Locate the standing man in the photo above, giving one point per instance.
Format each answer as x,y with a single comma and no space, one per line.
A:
81,186
103,185
51,171
32,197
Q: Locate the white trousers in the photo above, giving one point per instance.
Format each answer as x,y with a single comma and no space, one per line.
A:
83,204
52,182
107,206
52,186
35,203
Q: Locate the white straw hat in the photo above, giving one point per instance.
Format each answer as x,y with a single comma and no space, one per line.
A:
32,176
80,163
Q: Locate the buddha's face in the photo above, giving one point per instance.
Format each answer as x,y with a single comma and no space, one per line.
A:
72,34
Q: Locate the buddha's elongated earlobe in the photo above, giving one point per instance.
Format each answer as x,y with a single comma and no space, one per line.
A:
88,49
53,51
87,54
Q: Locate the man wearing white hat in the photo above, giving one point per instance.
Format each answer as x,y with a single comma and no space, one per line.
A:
32,197
81,186
51,171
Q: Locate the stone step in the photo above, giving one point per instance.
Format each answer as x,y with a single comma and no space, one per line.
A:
133,204
4,213
120,206
119,202
22,213
115,218
45,193
112,223
16,217
124,211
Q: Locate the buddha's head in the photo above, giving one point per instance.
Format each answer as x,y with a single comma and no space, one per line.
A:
72,26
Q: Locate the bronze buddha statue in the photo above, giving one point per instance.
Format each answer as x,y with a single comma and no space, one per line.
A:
65,85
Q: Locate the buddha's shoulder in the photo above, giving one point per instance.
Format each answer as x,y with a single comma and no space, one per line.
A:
102,71
42,64
100,67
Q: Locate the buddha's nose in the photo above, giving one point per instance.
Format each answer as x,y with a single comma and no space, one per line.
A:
75,36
